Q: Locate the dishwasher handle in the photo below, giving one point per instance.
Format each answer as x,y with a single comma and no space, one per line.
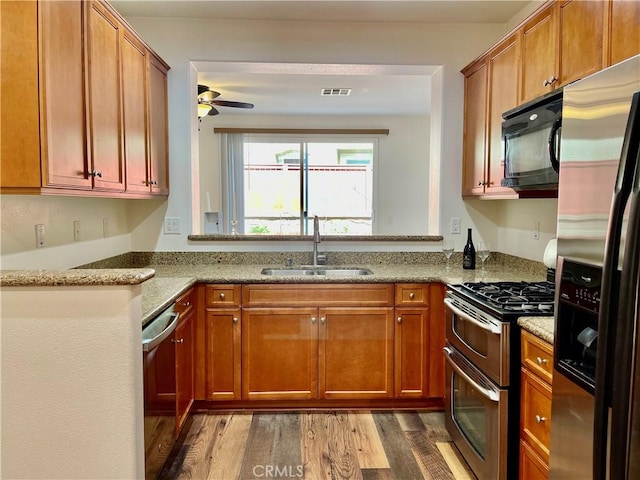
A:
149,344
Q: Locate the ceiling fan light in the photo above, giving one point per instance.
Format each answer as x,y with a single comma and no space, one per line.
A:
203,109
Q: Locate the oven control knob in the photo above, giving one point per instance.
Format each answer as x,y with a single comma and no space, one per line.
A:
540,419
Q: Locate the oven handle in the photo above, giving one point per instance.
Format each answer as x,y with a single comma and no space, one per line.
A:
489,394
495,329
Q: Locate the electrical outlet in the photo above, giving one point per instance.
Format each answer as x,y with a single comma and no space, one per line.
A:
536,231
76,231
40,235
455,225
105,227
172,225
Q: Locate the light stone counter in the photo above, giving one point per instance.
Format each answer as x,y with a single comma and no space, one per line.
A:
541,327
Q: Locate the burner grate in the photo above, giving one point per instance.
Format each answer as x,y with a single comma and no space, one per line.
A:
526,297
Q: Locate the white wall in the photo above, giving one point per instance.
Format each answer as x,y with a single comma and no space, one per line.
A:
452,46
72,386
402,168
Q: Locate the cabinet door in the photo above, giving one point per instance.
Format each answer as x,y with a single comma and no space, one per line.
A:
105,99
63,123
134,105
183,339
411,352
581,27
475,121
356,353
158,128
624,25
539,55
279,353
222,330
436,340
504,67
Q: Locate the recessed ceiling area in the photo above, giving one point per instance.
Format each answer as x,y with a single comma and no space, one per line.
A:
286,89
296,89
412,11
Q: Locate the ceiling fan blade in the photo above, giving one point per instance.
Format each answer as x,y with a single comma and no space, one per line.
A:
227,103
206,94
212,112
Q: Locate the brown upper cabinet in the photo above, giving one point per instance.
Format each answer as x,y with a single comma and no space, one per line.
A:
75,115
622,25
490,89
562,41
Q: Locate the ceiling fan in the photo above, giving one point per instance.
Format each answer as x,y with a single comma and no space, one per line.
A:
207,102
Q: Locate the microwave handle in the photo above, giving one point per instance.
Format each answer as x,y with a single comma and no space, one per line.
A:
554,136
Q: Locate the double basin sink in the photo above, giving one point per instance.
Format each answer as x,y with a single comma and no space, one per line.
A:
320,270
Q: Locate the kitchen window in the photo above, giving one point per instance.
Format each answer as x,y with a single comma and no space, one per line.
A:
277,183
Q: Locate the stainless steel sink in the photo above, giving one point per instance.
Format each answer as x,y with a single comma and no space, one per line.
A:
326,271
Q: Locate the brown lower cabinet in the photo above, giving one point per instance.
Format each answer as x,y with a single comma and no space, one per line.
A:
535,408
319,342
183,340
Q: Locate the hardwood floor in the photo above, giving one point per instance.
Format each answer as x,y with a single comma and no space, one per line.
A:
316,445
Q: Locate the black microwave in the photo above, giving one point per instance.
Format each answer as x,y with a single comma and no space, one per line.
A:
531,140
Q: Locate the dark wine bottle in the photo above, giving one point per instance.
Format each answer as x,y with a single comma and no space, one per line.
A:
469,253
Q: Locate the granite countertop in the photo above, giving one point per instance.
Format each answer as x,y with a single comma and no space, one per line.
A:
163,283
541,327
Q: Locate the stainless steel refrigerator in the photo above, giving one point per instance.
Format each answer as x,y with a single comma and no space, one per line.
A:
595,412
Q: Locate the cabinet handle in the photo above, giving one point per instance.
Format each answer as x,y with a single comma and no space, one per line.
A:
480,183
541,361
540,419
235,319
314,319
177,341
323,320
412,296
550,81
186,304
399,319
222,296
95,173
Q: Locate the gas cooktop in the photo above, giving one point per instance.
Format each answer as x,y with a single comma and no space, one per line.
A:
509,299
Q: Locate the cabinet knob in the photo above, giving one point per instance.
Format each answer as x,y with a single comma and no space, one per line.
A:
540,419
323,320
541,361
480,183
399,319
412,296
235,319
314,319
222,296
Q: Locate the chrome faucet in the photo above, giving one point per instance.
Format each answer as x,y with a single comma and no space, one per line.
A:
316,239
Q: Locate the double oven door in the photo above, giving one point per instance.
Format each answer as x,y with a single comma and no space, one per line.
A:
479,400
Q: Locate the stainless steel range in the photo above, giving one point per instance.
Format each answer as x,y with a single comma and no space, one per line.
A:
482,396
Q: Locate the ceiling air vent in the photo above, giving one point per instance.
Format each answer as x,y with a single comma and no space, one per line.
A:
335,92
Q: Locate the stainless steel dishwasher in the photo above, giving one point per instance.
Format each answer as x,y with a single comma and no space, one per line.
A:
159,363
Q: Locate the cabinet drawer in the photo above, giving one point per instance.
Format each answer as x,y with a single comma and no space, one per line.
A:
412,294
532,467
185,301
535,415
224,295
336,294
537,356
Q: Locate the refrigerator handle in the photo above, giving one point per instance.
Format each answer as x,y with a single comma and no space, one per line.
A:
610,322
624,351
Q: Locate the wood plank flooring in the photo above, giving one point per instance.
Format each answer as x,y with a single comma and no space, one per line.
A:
316,445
